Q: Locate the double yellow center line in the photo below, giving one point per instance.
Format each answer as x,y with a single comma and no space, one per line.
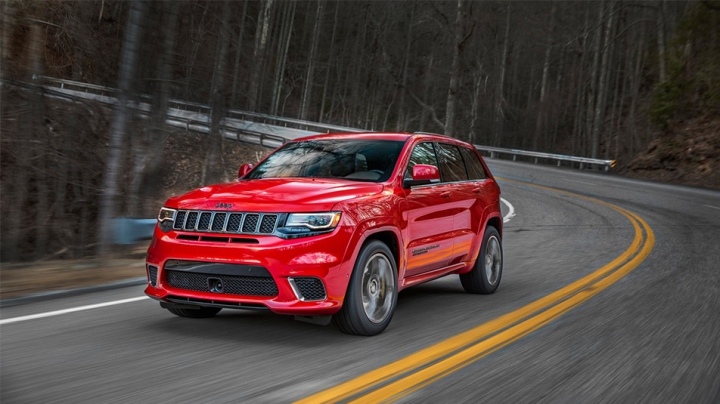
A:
400,378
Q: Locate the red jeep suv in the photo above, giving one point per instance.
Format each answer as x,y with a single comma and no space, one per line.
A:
331,228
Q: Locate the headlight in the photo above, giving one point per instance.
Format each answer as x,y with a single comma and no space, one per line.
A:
166,214
165,219
314,221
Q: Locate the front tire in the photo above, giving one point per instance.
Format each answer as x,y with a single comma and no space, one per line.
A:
202,312
485,276
372,292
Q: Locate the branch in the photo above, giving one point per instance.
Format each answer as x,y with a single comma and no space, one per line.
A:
460,45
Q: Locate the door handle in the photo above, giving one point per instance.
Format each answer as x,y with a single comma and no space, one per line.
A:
445,194
477,190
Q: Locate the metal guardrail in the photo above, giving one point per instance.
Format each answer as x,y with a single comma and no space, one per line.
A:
205,109
582,161
273,140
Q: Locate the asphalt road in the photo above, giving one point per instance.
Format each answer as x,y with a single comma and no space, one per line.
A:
652,336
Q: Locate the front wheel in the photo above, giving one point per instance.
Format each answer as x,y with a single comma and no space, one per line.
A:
372,292
485,276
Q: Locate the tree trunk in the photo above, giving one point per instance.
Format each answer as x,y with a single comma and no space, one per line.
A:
128,65
600,104
455,71
238,54
661,40
594,73
475,107
499,114
427,87
331,55
539,126
401,124
261,34
310,74
288,22
8,21
38,133
214,160
197,42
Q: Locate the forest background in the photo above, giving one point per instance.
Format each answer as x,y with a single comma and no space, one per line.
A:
634,81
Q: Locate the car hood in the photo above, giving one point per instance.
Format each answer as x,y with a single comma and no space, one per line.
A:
274,195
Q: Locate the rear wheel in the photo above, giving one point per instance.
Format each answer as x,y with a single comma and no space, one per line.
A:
372,292
202,312
485,277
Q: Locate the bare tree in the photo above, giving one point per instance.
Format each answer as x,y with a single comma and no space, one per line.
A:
309,75
600,102
133,35
261,40
455,70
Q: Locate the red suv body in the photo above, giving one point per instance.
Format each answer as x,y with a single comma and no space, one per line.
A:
331,225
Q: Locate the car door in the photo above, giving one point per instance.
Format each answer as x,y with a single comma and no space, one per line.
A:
461,199
478,192
429,233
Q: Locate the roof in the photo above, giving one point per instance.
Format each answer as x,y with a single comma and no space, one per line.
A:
360,135
398,136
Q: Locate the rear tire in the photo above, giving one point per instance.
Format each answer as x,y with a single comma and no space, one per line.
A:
485,276
202,312
372,292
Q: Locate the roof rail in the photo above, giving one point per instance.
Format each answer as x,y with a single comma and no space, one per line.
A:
429,133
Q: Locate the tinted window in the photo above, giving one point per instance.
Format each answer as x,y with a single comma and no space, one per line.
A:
452,167
474,167
360,160
423,153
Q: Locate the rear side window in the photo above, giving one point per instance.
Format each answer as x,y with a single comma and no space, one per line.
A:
474,167
452,166
423,153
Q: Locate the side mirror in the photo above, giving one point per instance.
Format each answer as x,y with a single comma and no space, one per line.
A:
244,169
422,174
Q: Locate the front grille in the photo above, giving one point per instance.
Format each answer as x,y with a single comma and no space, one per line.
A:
225,222
267,225
190,222
219,221
152,274
250,223
179,220
309,288
204,222
234,223
232,285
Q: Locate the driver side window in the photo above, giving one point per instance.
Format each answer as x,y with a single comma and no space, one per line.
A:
423,153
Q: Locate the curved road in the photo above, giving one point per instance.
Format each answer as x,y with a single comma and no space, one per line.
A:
641,328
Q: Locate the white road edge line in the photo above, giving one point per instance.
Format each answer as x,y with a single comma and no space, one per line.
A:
710,206
511,211
71,310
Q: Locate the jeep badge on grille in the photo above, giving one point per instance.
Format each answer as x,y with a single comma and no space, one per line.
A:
223,205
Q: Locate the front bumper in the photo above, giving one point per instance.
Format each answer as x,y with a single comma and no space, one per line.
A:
322,257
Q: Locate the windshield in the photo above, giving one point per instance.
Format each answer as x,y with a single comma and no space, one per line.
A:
359,160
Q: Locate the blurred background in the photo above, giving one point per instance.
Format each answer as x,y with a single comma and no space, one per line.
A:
632,81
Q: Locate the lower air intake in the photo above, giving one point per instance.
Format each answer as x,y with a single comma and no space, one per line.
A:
231,284
152,271
308,288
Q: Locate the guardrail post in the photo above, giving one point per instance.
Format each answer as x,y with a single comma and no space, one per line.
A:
559,161
581,166
536,160
492,154
514,157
